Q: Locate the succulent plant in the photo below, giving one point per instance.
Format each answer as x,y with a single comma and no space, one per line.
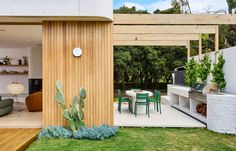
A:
75,112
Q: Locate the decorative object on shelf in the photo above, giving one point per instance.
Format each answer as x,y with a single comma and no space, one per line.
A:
4,71
218,73
211,87
25,60
25,71
6,61
20,62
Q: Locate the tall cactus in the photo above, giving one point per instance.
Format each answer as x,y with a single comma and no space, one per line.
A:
75,112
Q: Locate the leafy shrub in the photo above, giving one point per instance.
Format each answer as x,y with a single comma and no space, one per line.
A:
204,68
190,73
55,132
96,133
218,73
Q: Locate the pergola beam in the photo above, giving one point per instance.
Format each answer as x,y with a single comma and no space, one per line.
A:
174,19
155,37
200,47
189,50
150,43
164,29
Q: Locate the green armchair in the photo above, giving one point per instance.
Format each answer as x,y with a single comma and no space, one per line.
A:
6,106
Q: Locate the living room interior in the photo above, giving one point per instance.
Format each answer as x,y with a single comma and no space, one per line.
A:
20,76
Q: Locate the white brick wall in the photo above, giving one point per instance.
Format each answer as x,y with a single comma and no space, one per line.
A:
221,113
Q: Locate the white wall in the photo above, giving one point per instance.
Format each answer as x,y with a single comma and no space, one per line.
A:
5,80
229,68
94,8
35,63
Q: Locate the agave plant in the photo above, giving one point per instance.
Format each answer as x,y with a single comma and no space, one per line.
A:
75,112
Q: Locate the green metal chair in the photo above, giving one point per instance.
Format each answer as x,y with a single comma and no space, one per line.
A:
156,100
142,99
123,99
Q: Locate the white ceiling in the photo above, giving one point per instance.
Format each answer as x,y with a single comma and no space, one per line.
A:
14,36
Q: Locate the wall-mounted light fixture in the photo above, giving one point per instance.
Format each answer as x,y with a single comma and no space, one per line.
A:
77,52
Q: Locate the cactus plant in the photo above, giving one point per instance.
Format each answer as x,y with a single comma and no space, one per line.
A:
75,112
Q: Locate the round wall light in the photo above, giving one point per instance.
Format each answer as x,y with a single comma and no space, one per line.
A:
77,52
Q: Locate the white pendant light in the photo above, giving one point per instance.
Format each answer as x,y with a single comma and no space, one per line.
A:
15,88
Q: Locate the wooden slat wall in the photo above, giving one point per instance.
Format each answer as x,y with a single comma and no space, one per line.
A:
93,70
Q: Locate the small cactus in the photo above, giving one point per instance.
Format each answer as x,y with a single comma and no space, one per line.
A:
75,112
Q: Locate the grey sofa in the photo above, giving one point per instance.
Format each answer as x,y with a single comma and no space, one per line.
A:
6,106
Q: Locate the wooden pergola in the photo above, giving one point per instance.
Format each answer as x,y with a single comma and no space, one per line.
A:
167,30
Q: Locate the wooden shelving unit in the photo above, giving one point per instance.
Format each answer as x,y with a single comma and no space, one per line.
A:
13,65
13,73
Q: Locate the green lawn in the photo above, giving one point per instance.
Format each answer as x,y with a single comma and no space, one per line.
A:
146,139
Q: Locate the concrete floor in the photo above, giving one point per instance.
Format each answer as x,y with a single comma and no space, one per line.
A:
170,117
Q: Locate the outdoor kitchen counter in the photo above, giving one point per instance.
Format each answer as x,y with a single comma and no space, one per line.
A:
174,91
179,99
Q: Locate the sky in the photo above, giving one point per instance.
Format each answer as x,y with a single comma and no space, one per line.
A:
197,6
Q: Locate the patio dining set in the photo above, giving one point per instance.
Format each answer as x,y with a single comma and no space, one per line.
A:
139,101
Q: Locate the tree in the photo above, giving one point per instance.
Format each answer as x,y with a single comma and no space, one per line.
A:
126,10
230,36
175,9
231,6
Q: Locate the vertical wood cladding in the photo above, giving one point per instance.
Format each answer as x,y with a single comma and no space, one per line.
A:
93,70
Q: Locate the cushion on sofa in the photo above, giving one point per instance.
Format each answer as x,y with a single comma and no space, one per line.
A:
6,103
6,106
